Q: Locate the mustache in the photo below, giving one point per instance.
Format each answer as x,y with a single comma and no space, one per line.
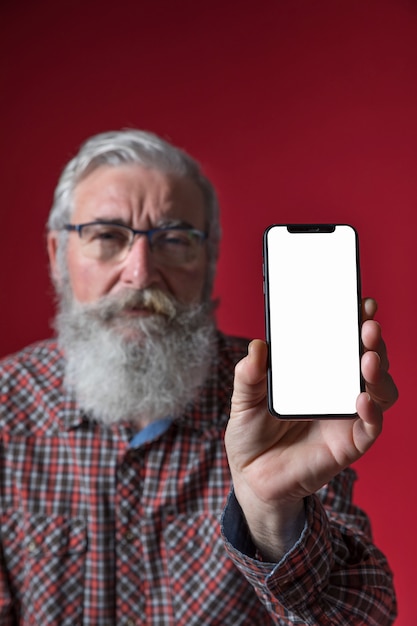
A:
150,299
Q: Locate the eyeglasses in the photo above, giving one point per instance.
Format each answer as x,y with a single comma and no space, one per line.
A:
109,242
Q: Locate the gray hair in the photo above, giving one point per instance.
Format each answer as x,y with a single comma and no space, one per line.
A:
147,149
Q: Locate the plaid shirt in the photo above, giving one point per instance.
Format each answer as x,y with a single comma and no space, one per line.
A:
97,532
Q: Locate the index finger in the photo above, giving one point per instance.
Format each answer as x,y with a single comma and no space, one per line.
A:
369,308
371,332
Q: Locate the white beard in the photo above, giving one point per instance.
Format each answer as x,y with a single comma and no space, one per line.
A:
136,368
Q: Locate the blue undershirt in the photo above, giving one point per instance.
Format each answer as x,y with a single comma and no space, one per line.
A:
150,432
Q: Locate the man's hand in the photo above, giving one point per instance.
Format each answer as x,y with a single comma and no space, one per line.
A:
275,464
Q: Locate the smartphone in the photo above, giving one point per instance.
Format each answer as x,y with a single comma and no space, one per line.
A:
313,319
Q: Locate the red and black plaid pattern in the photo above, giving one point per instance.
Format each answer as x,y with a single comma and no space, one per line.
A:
96,533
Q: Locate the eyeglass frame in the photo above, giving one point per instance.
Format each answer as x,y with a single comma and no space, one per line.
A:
201,235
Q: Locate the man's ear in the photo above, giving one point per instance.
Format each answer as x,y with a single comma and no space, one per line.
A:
52,246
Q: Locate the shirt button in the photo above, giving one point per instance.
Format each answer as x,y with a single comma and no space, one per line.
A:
129,537
32,546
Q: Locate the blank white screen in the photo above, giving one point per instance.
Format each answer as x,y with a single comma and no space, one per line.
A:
313,312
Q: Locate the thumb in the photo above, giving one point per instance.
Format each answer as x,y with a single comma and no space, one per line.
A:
250,377
247,428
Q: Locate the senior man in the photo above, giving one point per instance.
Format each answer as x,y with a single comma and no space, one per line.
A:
113,472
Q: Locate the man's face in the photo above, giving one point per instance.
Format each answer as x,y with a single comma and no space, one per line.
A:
107,321
143,199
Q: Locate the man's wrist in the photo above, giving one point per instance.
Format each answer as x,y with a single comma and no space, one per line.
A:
274,533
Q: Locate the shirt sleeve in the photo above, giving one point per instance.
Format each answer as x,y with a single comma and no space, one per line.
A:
333,576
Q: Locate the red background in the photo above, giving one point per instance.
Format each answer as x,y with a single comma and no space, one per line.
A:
299,110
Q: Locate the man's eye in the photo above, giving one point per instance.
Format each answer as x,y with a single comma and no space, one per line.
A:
108,234
173,239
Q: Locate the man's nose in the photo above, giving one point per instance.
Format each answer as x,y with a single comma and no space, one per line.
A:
139,269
